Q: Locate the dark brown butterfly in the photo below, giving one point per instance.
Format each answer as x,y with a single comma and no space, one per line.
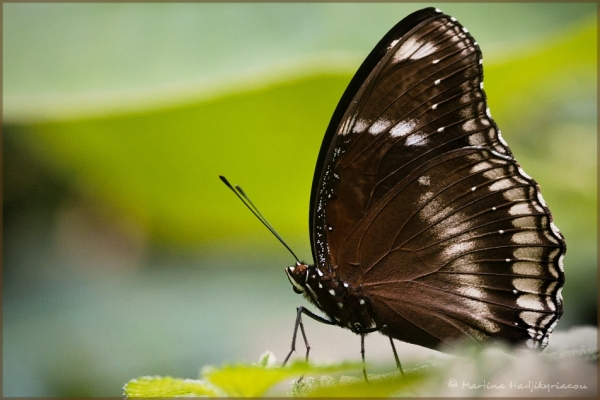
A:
423,226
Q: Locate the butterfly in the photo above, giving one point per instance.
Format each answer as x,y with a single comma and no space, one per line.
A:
423,226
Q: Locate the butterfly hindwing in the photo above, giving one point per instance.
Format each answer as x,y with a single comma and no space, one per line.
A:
418,201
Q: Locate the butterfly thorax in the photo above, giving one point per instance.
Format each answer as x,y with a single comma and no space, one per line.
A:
343,303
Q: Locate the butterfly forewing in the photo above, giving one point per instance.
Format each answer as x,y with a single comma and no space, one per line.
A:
418,201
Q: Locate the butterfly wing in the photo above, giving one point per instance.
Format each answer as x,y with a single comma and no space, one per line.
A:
418,201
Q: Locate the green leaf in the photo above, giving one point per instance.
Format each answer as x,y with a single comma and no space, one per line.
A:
157,386
60,57
159,168
388,385
567,359
236,380
255,380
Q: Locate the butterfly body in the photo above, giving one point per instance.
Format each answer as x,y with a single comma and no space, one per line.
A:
423,225
344,304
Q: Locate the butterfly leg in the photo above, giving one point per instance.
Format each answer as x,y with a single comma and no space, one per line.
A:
301,310
395,353
362,333
362,353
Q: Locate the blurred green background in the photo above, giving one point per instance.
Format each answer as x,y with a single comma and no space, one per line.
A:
124,255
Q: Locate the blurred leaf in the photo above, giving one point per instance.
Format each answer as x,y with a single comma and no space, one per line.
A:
473,366
239,380
157,386
255,380
554,70
388,385
72,58
160,168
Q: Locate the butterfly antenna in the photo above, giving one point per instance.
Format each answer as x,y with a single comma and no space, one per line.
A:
248,203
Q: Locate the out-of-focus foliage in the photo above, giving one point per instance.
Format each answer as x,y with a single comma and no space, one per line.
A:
481,372
160,167
80,59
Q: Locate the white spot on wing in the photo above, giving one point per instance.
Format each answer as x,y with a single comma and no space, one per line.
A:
473,292
405,50
524,222
500,185
530,301
476,139
525,237
379,126
469,125
414,50
526,268
519,209
546,320
458,248
530,253
360,126
416,139
425,50
466,112
529,317
527,285
424,198
481,166
514,194
402,128
493,173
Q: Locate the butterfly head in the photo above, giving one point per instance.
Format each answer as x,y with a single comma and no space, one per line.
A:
298,276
